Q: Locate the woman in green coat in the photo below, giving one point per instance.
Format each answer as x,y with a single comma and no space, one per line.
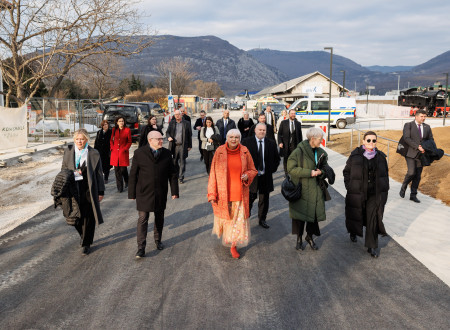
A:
310,208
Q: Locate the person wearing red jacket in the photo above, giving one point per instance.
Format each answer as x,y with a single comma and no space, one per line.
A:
120,145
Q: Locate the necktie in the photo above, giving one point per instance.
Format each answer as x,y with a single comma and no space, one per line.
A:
225,122
155,153
260,156
420,131
292,127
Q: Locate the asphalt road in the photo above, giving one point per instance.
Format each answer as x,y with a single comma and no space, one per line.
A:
45,282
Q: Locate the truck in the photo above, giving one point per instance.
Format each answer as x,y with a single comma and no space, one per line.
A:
315,110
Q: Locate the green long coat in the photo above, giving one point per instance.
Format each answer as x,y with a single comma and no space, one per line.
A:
312,204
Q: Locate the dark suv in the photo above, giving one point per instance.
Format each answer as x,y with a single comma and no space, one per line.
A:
151,108
132,114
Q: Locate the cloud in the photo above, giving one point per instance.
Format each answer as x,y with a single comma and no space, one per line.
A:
382,32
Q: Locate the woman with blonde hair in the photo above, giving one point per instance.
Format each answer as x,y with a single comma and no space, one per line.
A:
85,162
232,172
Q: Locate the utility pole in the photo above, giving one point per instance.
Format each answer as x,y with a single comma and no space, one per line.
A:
343,84
446,97
329,96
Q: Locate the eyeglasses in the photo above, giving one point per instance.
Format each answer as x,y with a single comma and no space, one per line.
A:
159,139
369,140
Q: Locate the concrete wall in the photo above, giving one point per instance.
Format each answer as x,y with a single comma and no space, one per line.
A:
381,111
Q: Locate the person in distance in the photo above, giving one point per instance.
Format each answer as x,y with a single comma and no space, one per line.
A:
102,145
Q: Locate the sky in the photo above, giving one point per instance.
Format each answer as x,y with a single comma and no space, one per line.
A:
377,32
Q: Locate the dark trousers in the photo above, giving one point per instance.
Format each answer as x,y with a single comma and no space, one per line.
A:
200,147
298,227
413,175
86,225
106,172
179,161
263,204
142,226
207,158
371,222
291,148
121,176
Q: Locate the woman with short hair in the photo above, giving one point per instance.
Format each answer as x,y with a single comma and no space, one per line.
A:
302,167
232,172
151,126
366,178
102,145
283,116
244,124
86,164
210,138
120,144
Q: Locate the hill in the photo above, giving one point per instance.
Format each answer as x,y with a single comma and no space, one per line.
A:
212,58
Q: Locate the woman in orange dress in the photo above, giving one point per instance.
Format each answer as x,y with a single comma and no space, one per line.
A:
232,172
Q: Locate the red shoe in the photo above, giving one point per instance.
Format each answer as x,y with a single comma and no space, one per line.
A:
234,253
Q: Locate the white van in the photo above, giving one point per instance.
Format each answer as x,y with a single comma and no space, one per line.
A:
315,110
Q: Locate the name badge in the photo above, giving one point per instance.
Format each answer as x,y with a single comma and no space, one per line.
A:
77,175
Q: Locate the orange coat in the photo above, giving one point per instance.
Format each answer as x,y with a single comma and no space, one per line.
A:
217,185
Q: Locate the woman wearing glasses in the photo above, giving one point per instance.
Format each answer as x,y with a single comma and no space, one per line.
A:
232,172
366,178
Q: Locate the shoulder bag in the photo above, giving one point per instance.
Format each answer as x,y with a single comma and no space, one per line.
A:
289,190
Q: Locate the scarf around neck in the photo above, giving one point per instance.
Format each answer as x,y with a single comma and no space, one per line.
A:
369,154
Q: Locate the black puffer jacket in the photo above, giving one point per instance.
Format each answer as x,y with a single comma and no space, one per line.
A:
356,183
65,193
431,154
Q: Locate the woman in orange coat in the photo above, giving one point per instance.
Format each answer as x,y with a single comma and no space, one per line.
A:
120,145
232,172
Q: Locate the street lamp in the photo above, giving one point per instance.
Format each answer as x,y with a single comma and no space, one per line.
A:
329,96
398,85
343,84
446,96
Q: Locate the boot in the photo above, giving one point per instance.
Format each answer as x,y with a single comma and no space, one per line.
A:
311,242
299,245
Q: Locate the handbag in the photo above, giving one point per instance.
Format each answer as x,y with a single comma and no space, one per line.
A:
289,190
402,147
210,147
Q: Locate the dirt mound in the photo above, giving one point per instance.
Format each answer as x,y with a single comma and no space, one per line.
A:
435,178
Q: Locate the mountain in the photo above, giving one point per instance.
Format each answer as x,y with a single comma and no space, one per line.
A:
438,64
389,69
212,59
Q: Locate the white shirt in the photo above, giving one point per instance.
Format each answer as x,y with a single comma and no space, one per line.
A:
264,164
83,153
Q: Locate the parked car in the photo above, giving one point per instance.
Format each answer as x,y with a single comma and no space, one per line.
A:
234,106
132,114
152,108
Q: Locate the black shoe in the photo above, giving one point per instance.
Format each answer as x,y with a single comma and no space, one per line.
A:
402,192
299,245
159,245
181,181
86,250
201,158
373,252
106,181
353,238
140,253
126,185
311,242
414,199
263,224
120,189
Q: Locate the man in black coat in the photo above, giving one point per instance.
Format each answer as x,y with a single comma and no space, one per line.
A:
414,133
266,159
289,136
269,128
199,123
151,171
179,134
224,124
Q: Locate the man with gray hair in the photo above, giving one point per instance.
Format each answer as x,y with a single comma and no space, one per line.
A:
179,134
152,170
265,156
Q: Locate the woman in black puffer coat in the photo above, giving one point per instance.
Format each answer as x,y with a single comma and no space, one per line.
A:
366,178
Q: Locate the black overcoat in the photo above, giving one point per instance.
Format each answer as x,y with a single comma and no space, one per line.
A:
243,124
284,135
271,162
102,144
144,133
149,178
356,183
94,173
187,136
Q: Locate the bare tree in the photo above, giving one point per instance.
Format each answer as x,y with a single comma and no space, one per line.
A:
44,39
207,89
181,76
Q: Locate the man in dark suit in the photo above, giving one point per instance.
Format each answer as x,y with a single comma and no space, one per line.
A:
199,123
266,159
186,116
414,133
270,117
151,171
224,124
179,134
269,128
289,136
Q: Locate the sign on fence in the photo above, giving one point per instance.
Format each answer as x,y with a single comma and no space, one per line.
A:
13,127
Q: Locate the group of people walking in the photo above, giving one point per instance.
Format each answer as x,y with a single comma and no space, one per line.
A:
240,171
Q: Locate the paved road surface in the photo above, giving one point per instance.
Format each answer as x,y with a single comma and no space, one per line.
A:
193,283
